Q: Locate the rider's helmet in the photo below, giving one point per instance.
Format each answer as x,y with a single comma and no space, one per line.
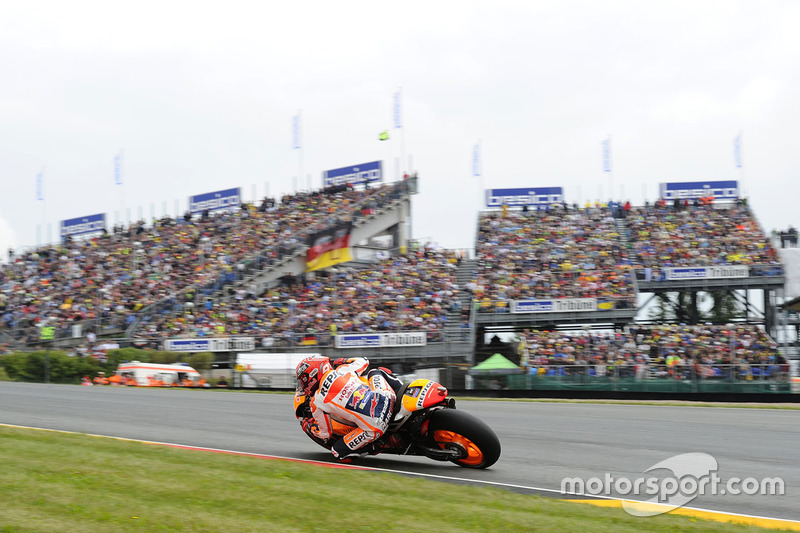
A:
309,373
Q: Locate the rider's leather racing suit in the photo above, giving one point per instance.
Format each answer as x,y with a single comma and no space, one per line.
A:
344,397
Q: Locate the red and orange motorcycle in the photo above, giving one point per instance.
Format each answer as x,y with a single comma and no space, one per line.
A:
427,423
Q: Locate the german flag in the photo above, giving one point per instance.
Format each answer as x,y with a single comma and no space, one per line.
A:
329,247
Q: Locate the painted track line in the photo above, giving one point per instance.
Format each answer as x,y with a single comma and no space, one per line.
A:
598,500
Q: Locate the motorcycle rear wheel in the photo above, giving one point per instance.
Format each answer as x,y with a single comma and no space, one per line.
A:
456,429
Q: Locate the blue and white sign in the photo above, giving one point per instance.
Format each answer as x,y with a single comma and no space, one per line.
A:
382,340
396,112
83,225
712,272
561,305
607,155
720,190
531,196
296,131
216,344
354,175
118,169
227,199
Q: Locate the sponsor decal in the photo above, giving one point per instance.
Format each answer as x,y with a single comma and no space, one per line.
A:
346,390
356,440
326,384
423,393
374,405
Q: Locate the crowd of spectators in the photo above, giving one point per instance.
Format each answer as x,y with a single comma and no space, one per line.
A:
409,292
108,278
703,351
697,234
560,252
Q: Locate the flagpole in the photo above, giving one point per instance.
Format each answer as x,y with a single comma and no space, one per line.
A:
300,144
738,156
610,172
477,172
399,125
121,183
44,206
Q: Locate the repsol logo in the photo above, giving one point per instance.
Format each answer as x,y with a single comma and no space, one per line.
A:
530,198
357,440
423,393
326,385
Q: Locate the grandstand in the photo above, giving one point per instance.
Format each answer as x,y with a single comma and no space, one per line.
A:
572,282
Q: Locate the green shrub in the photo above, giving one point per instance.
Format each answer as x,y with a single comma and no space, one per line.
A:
53,366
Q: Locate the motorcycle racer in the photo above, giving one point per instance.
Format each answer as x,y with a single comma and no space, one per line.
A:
337,392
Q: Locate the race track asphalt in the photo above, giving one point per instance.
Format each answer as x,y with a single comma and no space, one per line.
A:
542,442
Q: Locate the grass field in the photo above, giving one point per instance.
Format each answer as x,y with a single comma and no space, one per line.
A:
65,482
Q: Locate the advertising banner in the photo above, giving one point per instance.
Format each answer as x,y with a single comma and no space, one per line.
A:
382,340
713,272
354,175
720,190
227,199
530,196
83,225
561,305
215,344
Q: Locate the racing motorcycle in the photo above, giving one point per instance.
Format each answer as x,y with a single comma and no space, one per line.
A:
424,422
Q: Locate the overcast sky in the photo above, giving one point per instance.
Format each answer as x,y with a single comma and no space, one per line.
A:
201,96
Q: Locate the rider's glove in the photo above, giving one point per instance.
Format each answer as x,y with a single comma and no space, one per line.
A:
340,361
307,424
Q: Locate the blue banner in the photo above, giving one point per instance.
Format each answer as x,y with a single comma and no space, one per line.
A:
227,199
607,155
216,344
533,306
476,160
296,132
561,305
385,340
83,225
720,190
354,175
118,169
39,186
358,341
531,196
397,122
712,272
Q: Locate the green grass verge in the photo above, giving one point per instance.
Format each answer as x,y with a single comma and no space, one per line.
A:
64,482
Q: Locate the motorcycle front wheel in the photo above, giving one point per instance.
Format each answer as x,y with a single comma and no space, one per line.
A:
452,429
